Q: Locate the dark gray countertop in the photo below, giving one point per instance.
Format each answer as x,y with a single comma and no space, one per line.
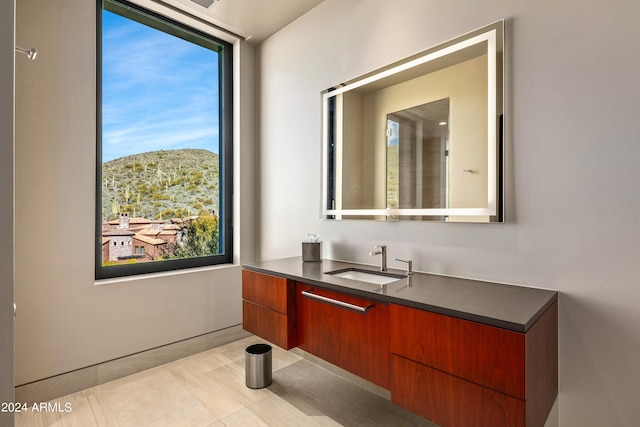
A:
505,306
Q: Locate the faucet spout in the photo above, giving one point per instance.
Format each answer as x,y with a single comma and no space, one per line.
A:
382,251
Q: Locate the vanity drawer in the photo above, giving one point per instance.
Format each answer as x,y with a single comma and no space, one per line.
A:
268,308
448,400
270,325
485,355
357,341
268,291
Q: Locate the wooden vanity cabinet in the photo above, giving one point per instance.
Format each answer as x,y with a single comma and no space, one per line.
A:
268,308
355,341
460,373
451,371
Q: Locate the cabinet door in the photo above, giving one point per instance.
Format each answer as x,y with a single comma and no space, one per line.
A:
277,328
456,372
268,308
451,401
353,340
483,354
265,290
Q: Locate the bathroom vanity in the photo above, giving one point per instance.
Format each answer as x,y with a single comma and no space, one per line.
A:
458,352
418,140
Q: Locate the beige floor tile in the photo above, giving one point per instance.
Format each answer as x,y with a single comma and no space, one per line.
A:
243,418
292,373
275,412
208,390
221,390
30,419
282,358
71,411
154,400
326,394
234,352
199,363
103,416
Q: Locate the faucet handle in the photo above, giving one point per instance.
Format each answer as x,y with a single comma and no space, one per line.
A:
382,251
409,265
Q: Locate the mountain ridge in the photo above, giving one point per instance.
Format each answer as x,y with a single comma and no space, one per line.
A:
161,184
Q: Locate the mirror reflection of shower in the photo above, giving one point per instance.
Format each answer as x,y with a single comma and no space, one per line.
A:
418,156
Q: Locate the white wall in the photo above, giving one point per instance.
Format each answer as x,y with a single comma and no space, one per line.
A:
7,27
573,147
66,321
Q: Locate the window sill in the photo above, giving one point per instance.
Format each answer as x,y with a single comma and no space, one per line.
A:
139,277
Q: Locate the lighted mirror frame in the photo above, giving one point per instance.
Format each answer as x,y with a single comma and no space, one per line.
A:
493,36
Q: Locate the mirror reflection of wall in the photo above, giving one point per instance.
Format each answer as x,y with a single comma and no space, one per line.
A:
364,145
418,157
419,142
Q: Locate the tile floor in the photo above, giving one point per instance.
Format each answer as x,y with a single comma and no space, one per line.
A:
208,390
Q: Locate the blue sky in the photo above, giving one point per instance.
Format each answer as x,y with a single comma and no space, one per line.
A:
395,131
159,92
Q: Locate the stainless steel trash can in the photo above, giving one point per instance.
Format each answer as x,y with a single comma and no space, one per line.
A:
257,365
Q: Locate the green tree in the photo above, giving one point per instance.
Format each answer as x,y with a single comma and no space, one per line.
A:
202,238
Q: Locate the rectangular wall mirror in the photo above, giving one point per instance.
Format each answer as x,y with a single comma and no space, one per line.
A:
420,139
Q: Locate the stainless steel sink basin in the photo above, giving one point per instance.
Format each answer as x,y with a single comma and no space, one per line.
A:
368,276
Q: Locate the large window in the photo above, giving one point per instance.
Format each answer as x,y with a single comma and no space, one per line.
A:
164,189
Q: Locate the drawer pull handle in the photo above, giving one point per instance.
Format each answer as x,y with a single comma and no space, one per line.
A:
310,294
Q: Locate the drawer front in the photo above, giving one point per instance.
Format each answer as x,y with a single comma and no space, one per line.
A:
270,325
267,291
448,401
355,341
486,355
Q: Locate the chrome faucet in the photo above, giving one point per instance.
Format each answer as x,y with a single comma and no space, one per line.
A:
382,251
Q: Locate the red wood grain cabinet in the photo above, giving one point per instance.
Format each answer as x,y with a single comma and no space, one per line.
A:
451,371
268,308
353,340
460,373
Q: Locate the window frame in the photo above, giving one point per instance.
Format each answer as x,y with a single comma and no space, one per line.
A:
225,75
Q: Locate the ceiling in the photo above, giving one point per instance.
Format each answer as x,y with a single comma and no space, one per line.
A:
255,20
